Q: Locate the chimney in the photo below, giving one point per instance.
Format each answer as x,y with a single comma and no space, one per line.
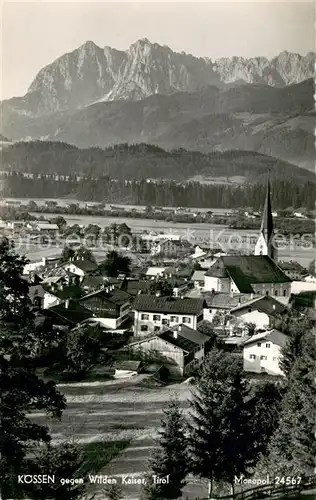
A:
251,296
273,307
157,294
231,293
175,334
107,289
82,258
67,304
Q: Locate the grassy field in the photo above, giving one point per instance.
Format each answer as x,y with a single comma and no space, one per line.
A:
100,415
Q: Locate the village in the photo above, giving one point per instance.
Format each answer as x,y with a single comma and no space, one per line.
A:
167,307
139,318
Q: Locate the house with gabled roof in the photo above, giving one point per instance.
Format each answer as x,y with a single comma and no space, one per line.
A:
110,306
68,314
81,267
152,313
57,292
180,348
262,311
262,352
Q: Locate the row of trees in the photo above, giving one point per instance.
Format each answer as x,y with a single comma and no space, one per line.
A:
286,192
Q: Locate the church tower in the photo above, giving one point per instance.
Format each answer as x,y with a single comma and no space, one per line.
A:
264,245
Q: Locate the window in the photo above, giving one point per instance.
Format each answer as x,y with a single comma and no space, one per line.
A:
284,293
174,319
252,356
156,317
267,292
249,310
259,344
263,357
36,291
144,328
276,293
157,329
145,317
165,322
210,310
268,345
186,319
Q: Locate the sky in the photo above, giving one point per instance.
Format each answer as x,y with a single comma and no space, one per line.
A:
34,34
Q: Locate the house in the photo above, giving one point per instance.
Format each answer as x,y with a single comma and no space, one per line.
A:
68,314
198,279
47,228
16,226
134,286
180,348
257,274
81,267
262,352
260,311
171,248
57,292
155,272
179,286
217,305
152,313
110,306
293,270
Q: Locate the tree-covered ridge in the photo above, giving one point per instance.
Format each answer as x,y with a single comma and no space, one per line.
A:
138,161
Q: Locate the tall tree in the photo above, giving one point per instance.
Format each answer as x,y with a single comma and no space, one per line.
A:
115,264
225,441
20,387
169,462
161,287
296,331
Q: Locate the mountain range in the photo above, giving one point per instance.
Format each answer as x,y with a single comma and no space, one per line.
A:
102,96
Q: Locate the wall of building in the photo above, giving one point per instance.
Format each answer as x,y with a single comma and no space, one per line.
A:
273,289
167,352
170,320
74,269
269,365
217,284
50,300
260,319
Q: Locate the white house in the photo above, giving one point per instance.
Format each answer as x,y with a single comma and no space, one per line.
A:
152,314
261,311
262,352
80,267
155,272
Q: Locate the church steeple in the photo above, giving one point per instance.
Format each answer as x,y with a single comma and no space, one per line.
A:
264,245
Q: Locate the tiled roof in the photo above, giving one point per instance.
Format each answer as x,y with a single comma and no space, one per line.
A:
74,314
151,303
217,272
184,344
84,265
240,279
190,334
115,296
274,336
266,304
225,300
133,287
66,292
256,268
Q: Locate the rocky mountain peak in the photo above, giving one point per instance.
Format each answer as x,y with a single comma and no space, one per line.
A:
91,73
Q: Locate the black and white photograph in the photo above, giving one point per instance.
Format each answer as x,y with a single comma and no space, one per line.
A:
157,250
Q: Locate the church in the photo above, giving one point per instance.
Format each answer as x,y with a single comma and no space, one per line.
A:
254,274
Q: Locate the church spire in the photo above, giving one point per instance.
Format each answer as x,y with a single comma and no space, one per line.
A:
267,219
264,244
